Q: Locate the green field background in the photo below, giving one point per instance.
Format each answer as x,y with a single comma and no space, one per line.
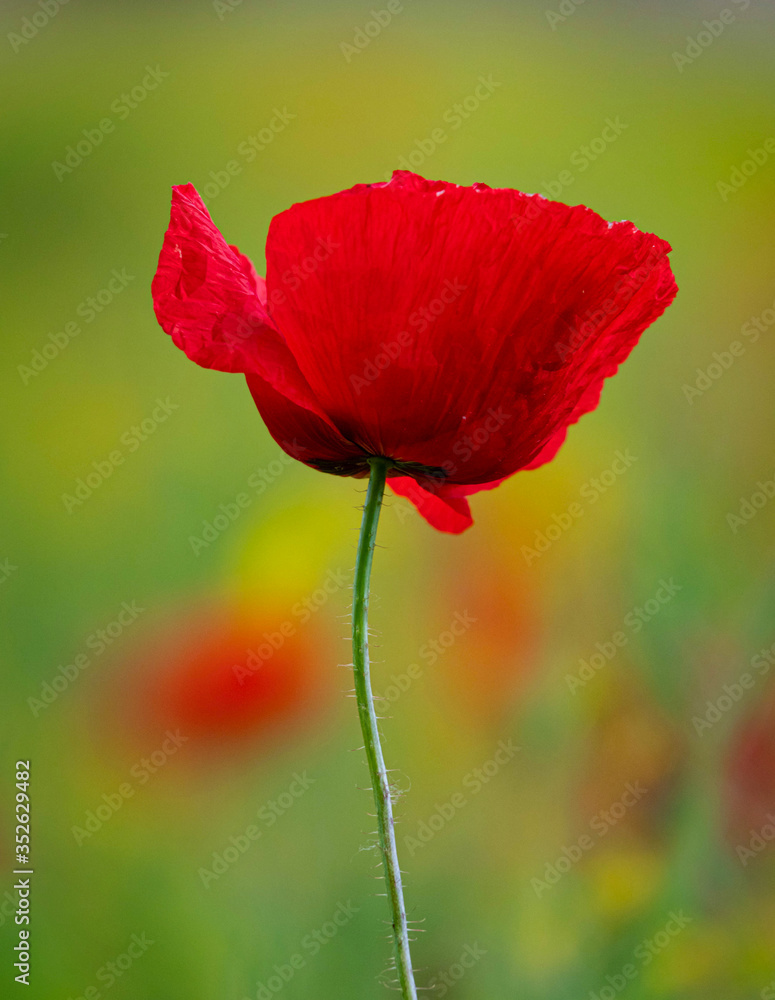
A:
577,811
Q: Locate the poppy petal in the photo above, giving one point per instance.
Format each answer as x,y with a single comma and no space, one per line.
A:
304,435
209,299
586,404
433,314
450,514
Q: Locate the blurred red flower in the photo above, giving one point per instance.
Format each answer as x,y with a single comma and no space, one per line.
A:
632,765
218,674
750,772
457,331
487,669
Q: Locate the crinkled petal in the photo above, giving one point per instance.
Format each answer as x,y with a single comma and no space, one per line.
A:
452,515
209,299
460,328
302,434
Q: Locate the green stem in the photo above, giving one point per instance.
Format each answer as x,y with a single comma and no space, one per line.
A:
370,728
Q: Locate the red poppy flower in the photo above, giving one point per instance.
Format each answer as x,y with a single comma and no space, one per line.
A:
750,770
489,652
457,331
220,674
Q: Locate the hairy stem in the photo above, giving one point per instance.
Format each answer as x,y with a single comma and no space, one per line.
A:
370,729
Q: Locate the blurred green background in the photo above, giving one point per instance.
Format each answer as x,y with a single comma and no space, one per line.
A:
625,848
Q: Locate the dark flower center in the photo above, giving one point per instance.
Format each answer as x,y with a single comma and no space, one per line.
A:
359,467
